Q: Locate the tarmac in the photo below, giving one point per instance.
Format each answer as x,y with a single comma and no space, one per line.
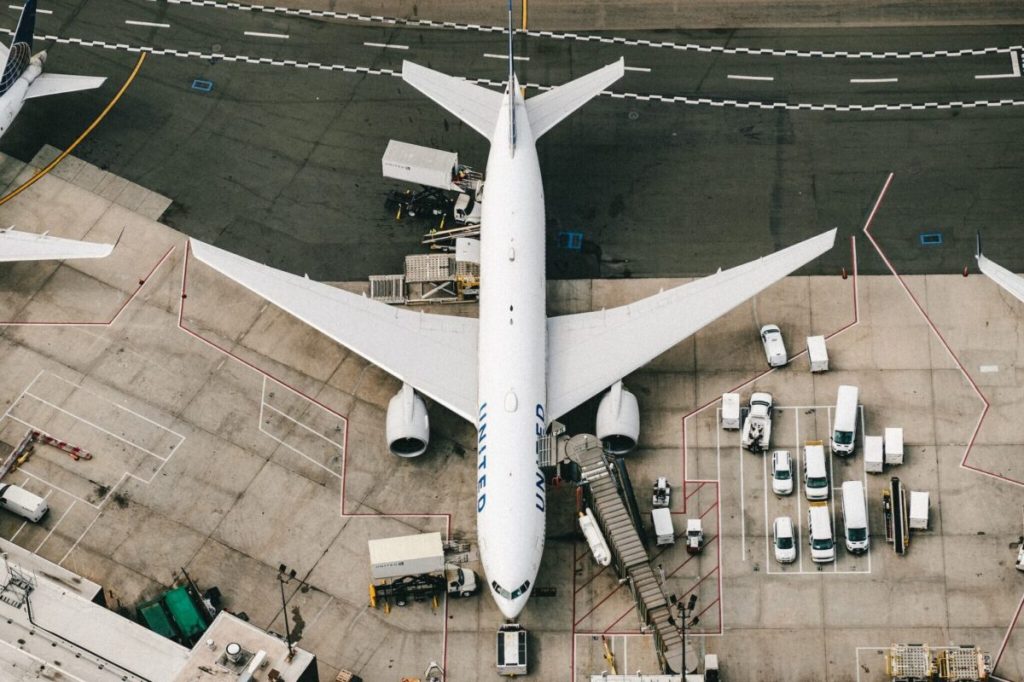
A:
230,440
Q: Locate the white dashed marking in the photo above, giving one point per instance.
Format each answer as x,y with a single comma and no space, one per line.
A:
132,22
505,56
257,34
641,69
387,46
738,77
874,80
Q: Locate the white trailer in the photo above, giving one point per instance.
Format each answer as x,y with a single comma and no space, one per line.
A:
731,411
873,454
817,353
406,555
893,445
664,531
420,165
918,510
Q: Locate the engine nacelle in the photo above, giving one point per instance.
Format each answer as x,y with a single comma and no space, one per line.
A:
618,420
407,426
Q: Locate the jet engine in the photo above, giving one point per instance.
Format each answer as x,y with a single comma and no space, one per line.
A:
407,426
618,420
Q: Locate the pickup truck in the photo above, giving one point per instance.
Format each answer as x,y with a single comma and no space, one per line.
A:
757,427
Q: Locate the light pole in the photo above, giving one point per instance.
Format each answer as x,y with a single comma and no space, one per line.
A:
283,578
684,612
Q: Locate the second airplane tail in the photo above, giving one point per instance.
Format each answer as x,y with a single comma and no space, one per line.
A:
20,53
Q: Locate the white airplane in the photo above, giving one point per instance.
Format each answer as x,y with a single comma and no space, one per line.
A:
997,273
23,76
529,369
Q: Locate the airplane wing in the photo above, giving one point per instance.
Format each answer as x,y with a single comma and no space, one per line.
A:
475,105
436,354
19,246
588,352
997,273
57,83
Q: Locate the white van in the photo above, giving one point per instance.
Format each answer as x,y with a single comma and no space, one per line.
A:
819,531
855,517
23,503
844,425
815,475
664,530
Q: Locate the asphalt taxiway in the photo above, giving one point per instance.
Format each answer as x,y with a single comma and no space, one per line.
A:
717,146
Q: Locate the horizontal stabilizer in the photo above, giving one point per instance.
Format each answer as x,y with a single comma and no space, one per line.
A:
57,83
548,108
475,105
22,246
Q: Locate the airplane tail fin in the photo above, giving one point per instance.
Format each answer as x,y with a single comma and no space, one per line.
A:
26,25
20,54
547,109
476,105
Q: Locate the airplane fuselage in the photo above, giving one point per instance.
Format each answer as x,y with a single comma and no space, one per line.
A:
512,366
12,100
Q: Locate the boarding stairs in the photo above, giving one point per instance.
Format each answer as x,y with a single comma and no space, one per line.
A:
629,555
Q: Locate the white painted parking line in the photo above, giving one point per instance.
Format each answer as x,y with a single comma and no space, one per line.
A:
505,56
988,369
641,69
132,22
257,34
874,80
1014,69
387,46
739,77
40,545
39,11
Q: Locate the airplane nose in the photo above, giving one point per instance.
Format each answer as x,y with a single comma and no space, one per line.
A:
511,608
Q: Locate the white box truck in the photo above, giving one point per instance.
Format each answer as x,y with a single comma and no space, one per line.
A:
918,510
817,353
19,501
855,517
844,421
730,411
893,445
413,568
420,165
873,454
664,531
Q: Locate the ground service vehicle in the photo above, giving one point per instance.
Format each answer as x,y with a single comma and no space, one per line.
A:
664,531
27,505
694,536
511,650
855,517
662,495
782,472
413,568
844,424
774,346
819,530
815,473
784,540
757,428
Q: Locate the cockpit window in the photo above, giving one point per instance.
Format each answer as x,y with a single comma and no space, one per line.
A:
514,594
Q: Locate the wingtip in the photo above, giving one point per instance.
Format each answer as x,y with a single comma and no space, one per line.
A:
977,245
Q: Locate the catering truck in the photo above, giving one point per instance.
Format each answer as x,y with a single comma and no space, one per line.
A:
413,568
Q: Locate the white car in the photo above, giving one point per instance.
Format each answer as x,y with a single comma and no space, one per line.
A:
774,347
782,472
784,541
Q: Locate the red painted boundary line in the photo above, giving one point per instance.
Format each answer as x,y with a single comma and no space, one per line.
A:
117,314
344,469
977,390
